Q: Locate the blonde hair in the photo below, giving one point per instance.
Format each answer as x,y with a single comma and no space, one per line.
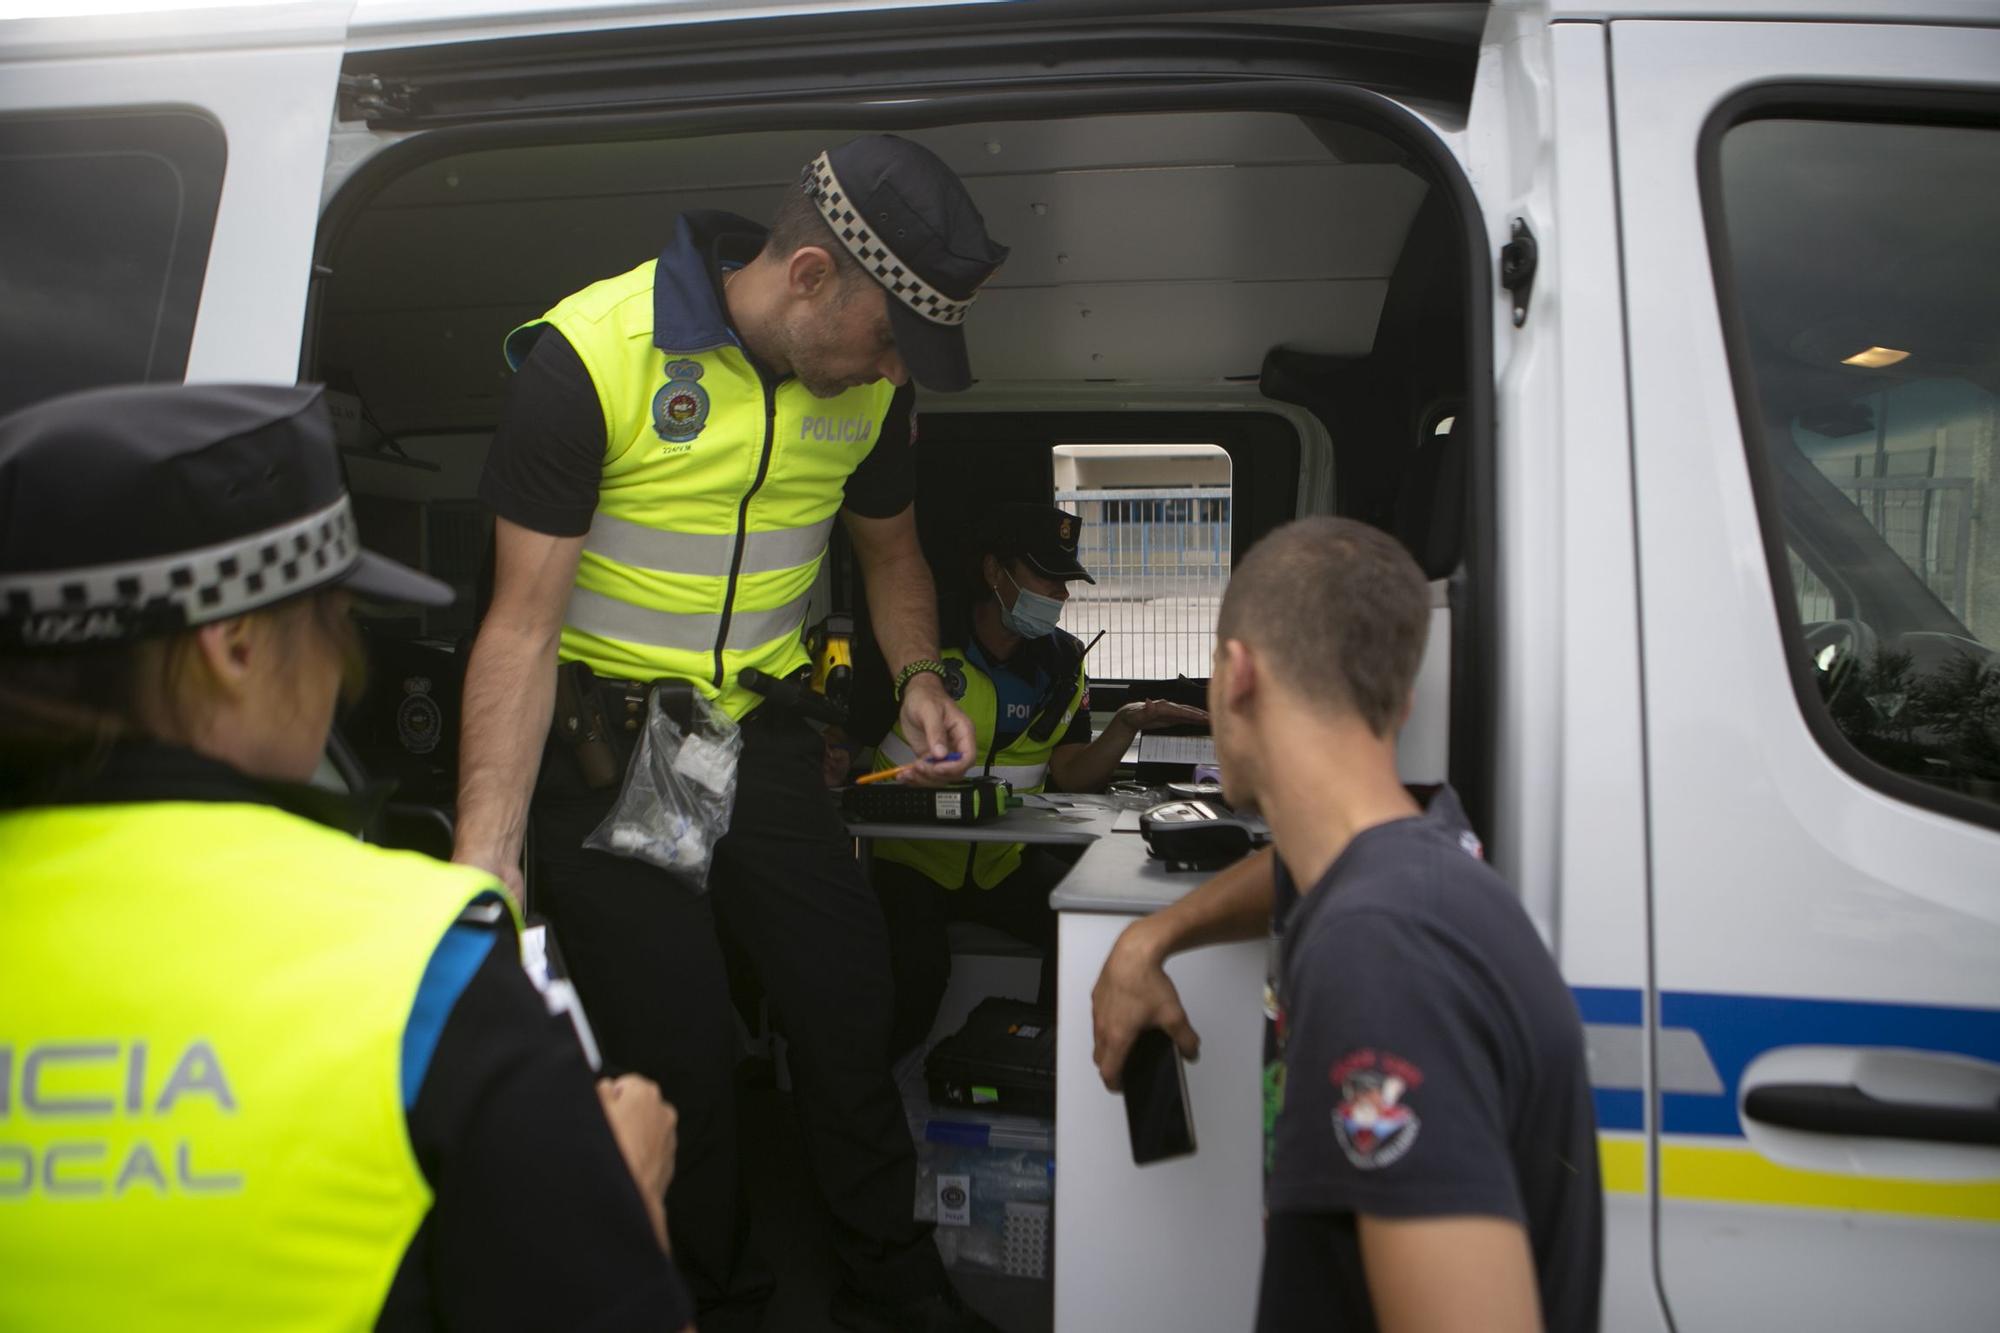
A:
60,713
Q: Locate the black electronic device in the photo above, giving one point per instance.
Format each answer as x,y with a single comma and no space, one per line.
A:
1002,1059
794,693
1158,1114
973,802
1195,835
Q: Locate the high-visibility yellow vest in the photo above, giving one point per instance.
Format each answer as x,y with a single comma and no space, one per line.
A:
1023,764
202,1009
716,502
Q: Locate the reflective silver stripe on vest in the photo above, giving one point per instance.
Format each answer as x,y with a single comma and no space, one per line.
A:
896,750
704,554
594,613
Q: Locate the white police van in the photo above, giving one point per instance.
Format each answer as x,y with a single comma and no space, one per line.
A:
1667,332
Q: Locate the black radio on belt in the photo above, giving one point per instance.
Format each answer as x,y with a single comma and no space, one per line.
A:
1195,835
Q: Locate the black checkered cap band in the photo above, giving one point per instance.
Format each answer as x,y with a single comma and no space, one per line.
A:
109,603
874,252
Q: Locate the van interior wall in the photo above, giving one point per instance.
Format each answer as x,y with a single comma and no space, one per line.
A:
1380,409
1398,464
1164,248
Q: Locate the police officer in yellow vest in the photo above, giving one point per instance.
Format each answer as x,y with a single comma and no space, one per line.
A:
677,445
1021,680
254,1073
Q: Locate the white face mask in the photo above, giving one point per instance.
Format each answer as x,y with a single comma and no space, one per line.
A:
1032,616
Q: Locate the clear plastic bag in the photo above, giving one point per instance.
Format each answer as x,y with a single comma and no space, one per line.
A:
678,792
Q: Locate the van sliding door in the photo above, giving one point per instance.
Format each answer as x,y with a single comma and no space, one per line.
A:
1812,253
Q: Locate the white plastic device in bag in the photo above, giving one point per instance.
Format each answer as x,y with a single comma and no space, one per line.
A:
679,789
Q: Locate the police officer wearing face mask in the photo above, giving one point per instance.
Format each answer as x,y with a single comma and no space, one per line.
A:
1021,680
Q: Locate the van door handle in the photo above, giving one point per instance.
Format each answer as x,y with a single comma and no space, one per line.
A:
1832,1108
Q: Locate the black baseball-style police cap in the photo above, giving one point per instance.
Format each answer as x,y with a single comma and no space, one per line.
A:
1041,535
138,511
906,217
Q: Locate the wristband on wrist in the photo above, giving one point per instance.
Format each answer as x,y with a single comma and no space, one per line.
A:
922,666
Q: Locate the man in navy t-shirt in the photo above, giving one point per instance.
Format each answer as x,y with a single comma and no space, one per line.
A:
1432,1161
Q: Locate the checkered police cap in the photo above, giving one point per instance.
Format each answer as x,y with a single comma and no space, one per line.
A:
872,249
135,512
907,219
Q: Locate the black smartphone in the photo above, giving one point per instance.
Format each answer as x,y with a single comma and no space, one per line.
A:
1156,1099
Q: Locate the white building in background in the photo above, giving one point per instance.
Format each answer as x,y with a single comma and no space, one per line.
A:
1090,467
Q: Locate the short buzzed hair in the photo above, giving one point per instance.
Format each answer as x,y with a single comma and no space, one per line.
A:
798,224
1338,610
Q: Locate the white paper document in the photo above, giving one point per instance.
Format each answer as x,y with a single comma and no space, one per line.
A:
1176,749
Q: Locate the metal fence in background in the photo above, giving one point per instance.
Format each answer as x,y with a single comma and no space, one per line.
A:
1161,560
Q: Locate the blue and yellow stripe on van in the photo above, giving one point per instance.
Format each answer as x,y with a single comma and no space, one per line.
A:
1706,1042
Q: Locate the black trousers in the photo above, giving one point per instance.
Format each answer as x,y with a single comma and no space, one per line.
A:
918,911
647,959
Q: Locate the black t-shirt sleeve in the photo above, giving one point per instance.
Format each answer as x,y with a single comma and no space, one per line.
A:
886,482
548,453
1313,1281
1394,1100
536,1221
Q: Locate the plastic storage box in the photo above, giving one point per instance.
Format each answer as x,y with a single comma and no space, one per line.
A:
987,1180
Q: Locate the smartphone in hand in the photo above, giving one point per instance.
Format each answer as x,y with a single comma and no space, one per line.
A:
1157,1111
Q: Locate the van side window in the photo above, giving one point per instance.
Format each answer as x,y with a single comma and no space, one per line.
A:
103,245
1862,262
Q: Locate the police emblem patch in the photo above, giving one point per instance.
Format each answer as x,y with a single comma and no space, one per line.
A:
1066,530
680,408
419,721
1375,1126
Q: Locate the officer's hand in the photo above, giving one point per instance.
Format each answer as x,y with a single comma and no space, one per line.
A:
935,727
506,869
1134,993
1161,713
646,1128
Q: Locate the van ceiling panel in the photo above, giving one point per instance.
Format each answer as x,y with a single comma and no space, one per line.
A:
1176,247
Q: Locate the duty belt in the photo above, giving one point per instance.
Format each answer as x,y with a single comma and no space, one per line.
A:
599,718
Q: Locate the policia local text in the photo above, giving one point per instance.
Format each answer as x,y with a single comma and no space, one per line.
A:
60,1080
